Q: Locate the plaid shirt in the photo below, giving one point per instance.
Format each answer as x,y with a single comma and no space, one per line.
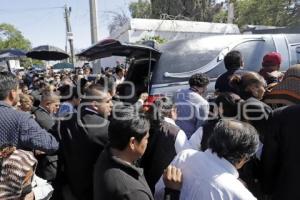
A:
19,129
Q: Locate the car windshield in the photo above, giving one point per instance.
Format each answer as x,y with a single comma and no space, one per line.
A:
187,55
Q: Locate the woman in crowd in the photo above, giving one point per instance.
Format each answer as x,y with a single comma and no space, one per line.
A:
251,88
26,103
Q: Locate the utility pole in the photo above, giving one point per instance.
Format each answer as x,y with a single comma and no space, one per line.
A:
69,34
93,20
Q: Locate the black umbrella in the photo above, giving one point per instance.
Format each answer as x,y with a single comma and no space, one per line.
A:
11,54
47,52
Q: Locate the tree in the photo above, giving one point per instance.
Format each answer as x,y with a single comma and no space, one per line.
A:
195,10
140,9
10,37
266,12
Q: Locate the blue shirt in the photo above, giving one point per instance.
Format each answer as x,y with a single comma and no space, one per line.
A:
65,108
19,129
192,110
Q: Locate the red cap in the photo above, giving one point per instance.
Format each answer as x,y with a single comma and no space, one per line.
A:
271,59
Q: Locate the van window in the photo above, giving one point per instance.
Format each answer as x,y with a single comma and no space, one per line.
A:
252,52
295,54
187,55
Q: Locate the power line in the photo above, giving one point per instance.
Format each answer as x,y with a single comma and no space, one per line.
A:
31,9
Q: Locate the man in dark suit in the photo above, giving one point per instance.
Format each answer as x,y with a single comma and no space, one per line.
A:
280,155
44,115
83,138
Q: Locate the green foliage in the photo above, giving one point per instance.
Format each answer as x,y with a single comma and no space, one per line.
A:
155,38
266,12
28,62
220,17
10,37
254,12
194,10
140,9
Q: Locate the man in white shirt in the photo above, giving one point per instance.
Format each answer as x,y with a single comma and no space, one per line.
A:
119,75
192,107
213,175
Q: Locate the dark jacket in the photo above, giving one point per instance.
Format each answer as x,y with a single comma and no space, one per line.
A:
208,128
19,129
115,179
47,164
222,82
83,137
43,118
160,151
257,113
280,155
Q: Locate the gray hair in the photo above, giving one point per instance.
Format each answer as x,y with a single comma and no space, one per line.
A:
234,140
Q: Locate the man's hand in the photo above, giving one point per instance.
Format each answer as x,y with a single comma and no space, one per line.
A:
38,152
172,178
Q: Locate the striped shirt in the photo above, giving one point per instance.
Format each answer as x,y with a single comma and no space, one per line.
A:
16,174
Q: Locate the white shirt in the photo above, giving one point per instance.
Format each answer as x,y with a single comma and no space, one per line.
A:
207,177
118,80
182,142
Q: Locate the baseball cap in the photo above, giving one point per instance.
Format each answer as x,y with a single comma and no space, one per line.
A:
271,59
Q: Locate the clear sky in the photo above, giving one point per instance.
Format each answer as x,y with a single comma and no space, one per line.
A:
42,21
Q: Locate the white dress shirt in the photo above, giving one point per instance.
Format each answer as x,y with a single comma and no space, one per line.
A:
118,80
206,177
182,142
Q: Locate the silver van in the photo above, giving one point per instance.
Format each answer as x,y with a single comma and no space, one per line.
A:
163,71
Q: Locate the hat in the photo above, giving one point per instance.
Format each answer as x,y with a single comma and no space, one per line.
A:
271,59
287,92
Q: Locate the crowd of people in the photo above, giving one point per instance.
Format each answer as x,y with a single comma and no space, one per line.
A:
68,136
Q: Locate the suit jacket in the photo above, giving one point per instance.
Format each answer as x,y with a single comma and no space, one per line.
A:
47,164
43,118
160,151
280,155
83,138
